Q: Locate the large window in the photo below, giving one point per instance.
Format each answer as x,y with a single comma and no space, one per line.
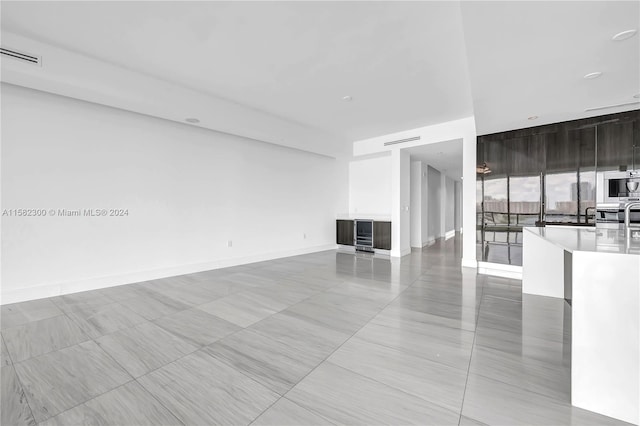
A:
524,200
544,176
562,192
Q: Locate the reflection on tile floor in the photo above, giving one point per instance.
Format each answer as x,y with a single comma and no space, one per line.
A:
324,338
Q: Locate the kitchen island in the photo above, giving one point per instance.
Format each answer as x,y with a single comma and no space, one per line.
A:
598,272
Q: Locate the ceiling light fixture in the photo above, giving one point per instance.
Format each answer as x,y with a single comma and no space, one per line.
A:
347,98
533,117
624,35
593,75
192,120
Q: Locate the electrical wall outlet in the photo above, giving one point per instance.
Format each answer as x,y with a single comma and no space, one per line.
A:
304,236
229,243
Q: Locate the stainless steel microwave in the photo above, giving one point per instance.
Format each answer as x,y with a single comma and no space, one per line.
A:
621,187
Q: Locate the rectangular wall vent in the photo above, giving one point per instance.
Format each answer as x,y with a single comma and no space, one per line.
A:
21,56
415,138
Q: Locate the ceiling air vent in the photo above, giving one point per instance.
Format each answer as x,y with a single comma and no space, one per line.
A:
611,106
21,56
415,138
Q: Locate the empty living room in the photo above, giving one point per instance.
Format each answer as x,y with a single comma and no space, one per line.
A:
320,213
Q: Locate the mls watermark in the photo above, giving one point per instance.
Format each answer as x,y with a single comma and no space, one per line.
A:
65,212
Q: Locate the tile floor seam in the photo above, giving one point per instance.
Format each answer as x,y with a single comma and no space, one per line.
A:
56,349
473,345
18,379
293,402
302,378
259,321
546,396
100,394
389,386
159,401
206,353
133,378
84,402
55,302
395,348
62,347
79,326
187,354
335,350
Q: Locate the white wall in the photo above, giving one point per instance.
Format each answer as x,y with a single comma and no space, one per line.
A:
434,209
188,191
458,206
400,203
424,226
433,204
416,212
449,214
405,187
370,187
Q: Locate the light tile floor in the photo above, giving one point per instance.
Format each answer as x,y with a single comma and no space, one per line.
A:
325,338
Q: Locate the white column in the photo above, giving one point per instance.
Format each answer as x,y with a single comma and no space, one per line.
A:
443,204
400,200
469,200
416,204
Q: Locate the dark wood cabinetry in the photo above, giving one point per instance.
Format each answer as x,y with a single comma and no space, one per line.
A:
382,235
344,232
615,145
548,175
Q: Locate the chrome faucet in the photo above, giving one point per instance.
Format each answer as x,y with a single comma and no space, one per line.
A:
627,220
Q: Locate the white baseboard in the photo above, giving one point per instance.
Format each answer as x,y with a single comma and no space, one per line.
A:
500,270
350,249
61,288
469,263
449,234
430,241
403,252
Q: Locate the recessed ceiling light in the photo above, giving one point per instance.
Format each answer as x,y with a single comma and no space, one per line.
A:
347,98
637,95
593,75
533,117
624,35
192,120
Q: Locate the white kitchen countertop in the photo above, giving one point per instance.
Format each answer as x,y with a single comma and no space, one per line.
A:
588,239
601,278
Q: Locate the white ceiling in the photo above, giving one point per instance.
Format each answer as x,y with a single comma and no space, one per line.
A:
402,62
528,58
406,64
444,156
